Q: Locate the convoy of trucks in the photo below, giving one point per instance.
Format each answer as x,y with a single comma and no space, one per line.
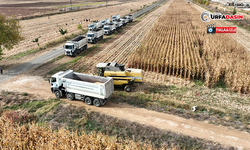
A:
95,33
88,88
75,46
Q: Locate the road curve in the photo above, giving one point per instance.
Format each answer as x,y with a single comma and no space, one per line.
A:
8,74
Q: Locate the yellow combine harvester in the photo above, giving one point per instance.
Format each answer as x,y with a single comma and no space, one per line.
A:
121,77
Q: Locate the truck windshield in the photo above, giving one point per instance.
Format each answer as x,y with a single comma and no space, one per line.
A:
53,79
106,28
89,35
90,26
103,21
68,46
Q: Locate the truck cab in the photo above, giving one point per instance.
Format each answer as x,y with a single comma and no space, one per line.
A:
115,18
130,18
91,37
56,84
105,21
69,48
107,30
91,26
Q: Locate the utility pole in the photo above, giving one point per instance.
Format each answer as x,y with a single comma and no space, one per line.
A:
71,4
106,2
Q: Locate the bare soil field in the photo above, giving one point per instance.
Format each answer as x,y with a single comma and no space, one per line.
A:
48,28
29,8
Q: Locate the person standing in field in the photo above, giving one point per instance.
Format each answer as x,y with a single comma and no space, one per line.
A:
1,70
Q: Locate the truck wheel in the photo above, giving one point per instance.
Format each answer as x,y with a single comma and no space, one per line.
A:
58,94
70,96
127,88
97,102
88,101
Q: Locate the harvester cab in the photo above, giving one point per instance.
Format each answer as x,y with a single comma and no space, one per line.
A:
121,77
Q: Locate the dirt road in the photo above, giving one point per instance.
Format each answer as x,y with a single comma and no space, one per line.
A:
174,123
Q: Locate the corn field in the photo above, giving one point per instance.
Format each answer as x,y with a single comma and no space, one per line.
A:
178,45
14,135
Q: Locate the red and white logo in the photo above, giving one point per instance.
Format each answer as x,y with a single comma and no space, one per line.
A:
206,15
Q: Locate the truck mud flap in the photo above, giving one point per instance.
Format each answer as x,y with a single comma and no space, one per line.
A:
104,101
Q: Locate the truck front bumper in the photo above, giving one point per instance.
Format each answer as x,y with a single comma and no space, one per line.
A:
67,53
90,41
107,32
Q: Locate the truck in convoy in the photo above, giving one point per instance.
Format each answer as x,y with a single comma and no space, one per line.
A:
109,28
115,18
75,46
95,25
130,18
105,21
124,20
88,88
118,23
95,35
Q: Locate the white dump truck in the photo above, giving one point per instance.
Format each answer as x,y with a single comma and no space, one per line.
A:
118,23
75,46
124,20
88,88
95,35
130,18
109,28
95,25
115,18
105,21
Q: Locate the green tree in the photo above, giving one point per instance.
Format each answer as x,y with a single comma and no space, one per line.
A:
234,11
207,3
79,26
10,33
204,2
62,31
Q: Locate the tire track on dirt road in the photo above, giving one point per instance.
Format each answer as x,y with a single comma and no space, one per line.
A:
174,123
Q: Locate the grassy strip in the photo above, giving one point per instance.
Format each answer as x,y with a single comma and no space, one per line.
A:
37,107
50,44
